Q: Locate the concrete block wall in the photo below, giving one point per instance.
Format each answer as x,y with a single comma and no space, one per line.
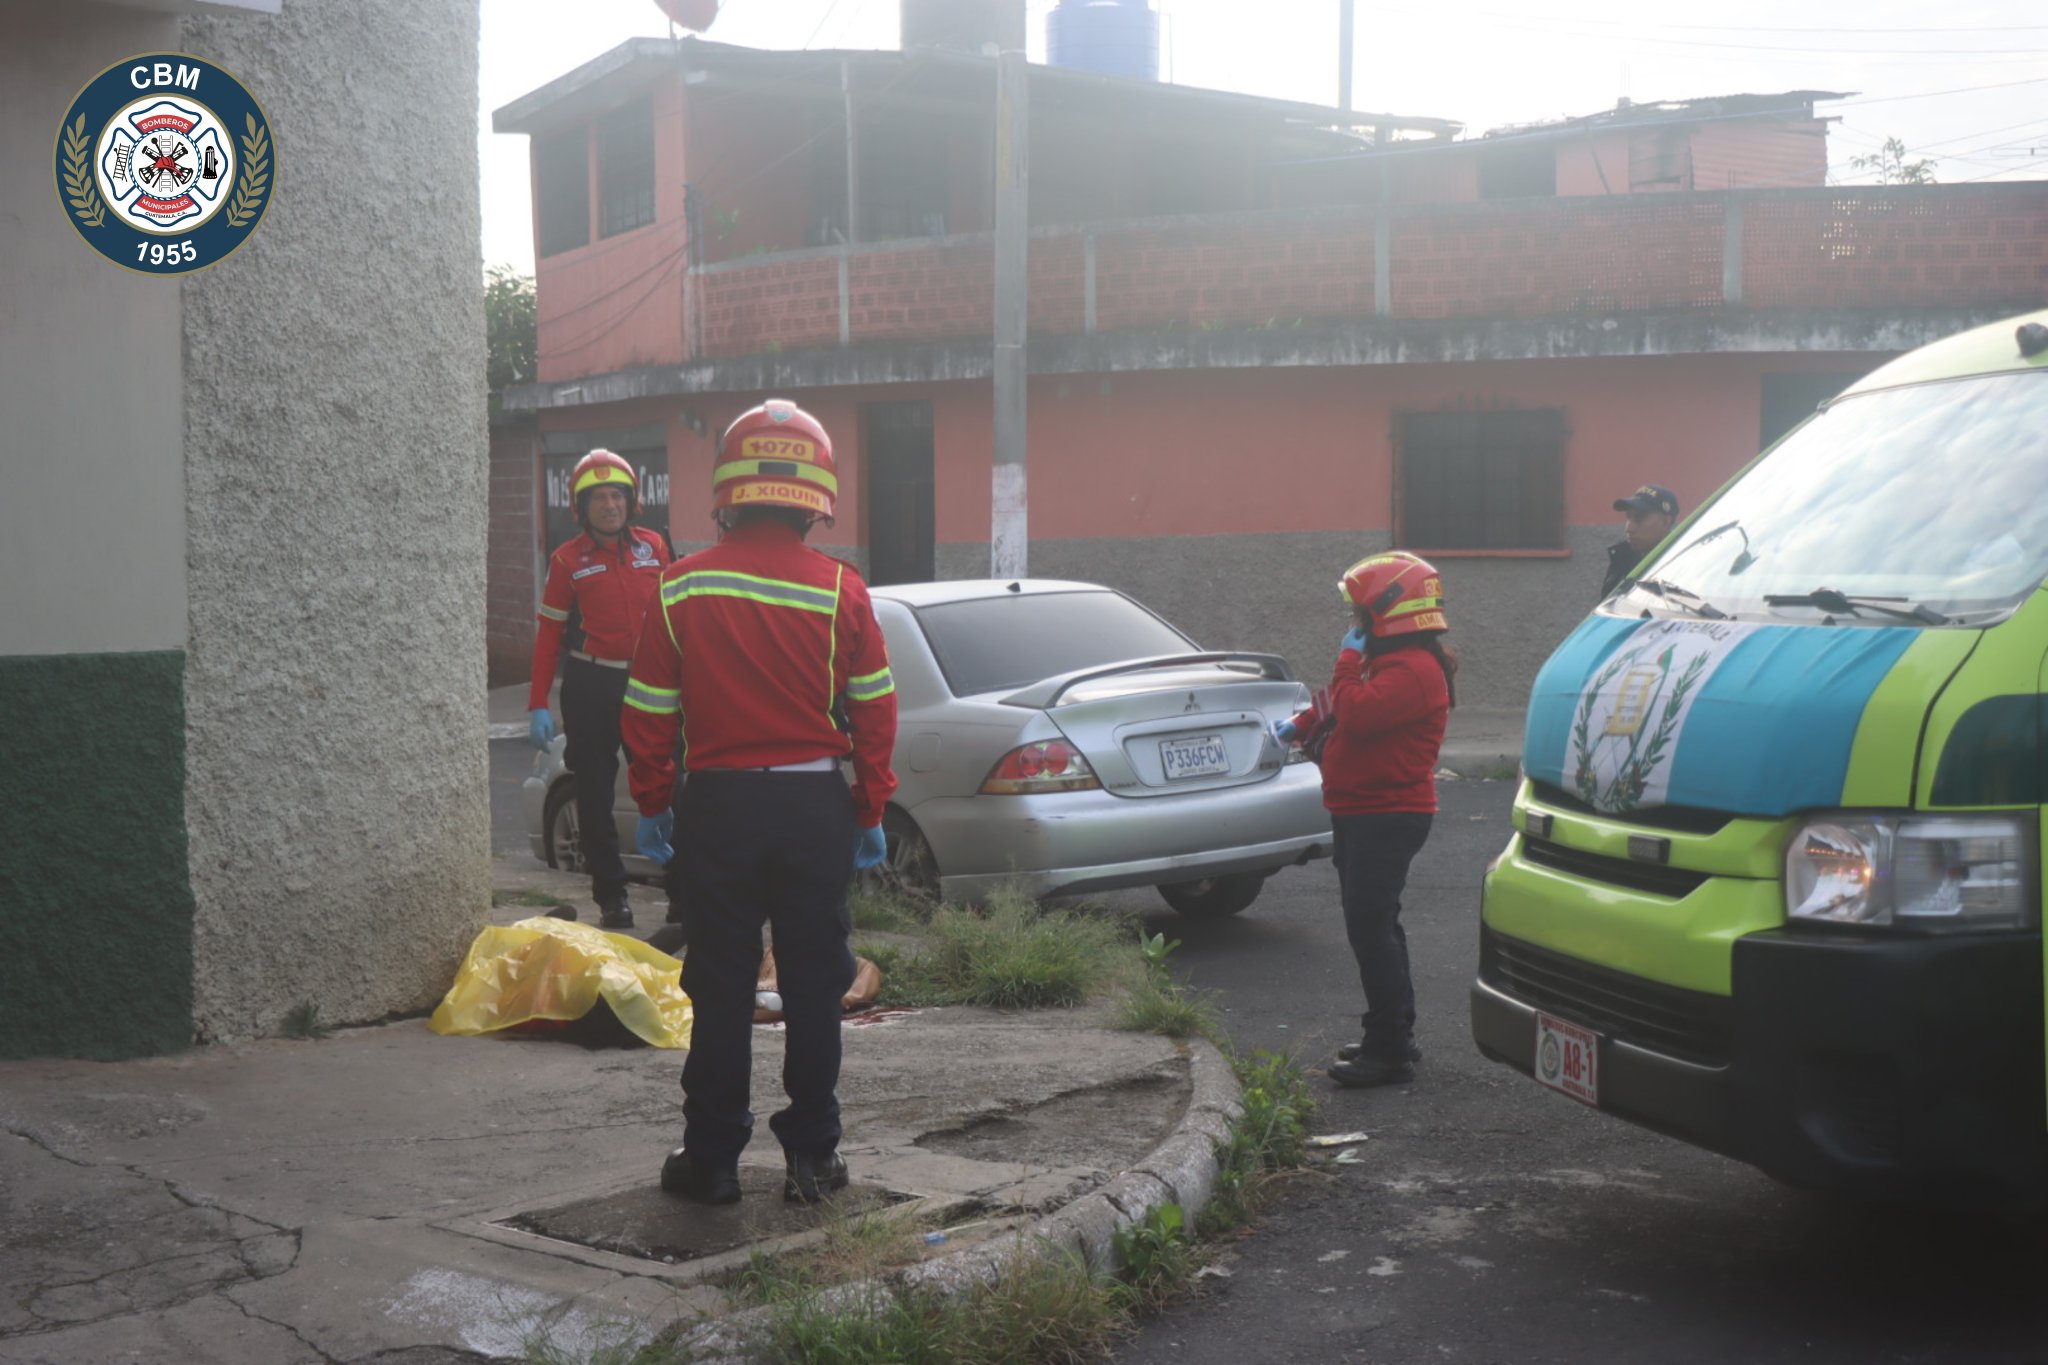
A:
1922,246
514,549
335,466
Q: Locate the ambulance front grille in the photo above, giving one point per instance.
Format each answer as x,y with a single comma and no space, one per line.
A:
1689,1025
1675,883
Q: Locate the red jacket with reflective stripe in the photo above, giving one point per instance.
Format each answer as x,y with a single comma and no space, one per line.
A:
610,586
1388,725
766,652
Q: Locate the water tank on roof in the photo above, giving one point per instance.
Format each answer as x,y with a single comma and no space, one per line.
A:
961,25
1115,37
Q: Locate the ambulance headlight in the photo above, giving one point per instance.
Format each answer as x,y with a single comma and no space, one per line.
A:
1917,872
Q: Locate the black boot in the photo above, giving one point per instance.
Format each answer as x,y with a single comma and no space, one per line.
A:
1350,1051
808,1179
618,915
1365,1072
700,1182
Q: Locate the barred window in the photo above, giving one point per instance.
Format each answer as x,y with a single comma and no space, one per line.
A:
625,169
1480,480
562,184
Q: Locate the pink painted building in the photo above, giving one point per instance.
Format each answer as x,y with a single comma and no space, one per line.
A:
1265,337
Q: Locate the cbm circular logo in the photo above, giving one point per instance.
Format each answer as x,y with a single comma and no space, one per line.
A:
164,163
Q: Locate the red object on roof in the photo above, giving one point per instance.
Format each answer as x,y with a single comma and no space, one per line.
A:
691,14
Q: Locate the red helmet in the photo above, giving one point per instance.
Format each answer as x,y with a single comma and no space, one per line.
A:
775,455
1401,594
603,469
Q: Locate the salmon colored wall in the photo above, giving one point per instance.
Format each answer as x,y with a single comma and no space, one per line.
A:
740,161
1581,162
1758,154
1228,452
617,302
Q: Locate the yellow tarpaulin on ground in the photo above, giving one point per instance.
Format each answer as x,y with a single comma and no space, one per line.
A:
544,968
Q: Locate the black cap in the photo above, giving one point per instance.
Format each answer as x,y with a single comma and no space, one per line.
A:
1649,498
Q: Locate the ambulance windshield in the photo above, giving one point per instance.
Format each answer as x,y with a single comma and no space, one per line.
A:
1923,503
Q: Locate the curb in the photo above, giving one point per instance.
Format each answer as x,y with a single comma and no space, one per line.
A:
1180,1170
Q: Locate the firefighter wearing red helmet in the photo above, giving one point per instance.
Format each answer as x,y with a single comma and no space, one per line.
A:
767,655
1375,731
602,581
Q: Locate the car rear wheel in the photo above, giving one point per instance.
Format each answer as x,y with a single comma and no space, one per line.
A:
909,867
558,824
1214,897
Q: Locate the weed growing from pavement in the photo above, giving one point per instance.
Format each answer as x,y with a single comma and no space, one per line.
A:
881,910
303,1021
1269,1138
1158,1259
857,1244
1153,1002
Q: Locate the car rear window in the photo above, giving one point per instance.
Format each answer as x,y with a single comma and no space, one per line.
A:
995,644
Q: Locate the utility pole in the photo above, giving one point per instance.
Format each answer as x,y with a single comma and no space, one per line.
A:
1009,527
1345,42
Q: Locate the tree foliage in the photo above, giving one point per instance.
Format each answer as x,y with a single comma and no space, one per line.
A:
508,327
1888,163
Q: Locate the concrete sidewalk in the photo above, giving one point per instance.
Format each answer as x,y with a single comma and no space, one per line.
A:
386,1194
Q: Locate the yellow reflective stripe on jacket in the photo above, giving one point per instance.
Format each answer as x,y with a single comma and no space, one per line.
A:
772,591
871,685
660,701
549,613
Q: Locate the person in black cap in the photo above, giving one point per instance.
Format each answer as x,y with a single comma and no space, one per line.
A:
1651,511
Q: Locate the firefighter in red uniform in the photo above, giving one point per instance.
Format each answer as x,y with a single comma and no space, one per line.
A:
606,577
768,655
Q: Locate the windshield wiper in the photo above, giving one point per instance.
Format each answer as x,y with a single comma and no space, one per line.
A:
1855,604
1683,597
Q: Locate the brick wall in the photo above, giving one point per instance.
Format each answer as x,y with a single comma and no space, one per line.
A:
1913,248
1533,258
514,541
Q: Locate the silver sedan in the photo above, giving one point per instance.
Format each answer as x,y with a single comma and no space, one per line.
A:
1062,738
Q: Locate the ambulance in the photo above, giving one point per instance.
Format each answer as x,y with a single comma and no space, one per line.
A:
1774,886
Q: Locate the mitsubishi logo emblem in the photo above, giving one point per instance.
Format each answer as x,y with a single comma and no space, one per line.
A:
1192,705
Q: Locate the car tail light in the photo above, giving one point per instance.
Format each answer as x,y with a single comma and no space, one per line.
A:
1050,765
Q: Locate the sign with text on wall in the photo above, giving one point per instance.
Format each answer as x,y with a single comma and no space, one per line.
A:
164,163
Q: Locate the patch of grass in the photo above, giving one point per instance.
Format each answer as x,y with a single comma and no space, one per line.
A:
303,1021
1015,954
858,1243
539,900
1039,1309
883,911
1269,1139
1151,1005
1153,1002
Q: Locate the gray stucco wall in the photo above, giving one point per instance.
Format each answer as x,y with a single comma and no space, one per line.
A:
92,519
1278,593
336,459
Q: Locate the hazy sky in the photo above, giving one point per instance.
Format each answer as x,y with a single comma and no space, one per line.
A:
1497,64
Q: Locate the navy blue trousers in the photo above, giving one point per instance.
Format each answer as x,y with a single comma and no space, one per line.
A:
1372,853
591,697
773,848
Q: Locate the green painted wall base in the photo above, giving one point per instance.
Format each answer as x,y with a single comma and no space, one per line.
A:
95,901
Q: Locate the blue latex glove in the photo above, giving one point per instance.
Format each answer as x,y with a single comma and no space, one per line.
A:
1285,731
540,727
869,849
653,835
1355,639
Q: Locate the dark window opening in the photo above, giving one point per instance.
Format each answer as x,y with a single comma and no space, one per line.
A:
1660,159
1517,172
897,454
562,176
904,187
1790,399
625,169
1481,480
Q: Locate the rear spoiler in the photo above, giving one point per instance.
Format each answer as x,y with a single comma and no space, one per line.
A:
1043,695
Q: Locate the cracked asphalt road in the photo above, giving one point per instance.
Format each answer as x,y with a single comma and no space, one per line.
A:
1489,1220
